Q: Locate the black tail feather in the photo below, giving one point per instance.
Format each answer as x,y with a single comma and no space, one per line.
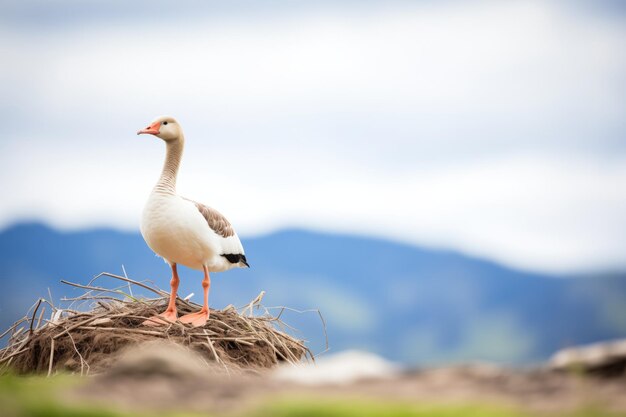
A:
235,258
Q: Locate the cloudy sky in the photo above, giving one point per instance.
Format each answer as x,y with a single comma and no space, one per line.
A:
494,128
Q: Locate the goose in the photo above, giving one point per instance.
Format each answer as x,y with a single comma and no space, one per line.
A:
183,231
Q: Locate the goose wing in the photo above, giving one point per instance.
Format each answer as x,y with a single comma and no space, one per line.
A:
221,226
216,221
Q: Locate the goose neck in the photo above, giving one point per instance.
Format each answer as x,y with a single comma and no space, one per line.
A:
173,156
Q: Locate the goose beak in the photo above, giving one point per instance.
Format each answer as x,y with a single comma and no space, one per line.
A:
153,129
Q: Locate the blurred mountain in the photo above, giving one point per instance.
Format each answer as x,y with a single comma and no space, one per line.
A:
409,304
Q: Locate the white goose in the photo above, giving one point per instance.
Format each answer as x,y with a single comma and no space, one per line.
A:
183,231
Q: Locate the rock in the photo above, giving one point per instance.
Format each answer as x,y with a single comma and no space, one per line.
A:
340,368
153,359
604,359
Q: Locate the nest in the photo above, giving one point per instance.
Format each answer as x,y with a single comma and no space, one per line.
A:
87,341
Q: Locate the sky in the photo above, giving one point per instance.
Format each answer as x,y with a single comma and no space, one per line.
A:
493,128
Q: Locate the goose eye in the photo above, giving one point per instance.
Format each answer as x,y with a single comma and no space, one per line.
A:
165,122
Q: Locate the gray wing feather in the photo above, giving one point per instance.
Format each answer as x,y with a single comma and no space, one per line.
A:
215,220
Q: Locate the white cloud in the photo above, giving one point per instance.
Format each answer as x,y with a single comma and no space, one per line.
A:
494,128
532,212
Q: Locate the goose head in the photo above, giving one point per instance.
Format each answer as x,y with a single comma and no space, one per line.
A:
164,127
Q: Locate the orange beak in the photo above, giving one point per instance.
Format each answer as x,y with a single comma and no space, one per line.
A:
153,129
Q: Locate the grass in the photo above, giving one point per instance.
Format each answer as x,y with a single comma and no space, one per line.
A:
360,408
343,408
37,396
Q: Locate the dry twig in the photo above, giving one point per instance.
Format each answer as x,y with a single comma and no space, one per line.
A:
86,341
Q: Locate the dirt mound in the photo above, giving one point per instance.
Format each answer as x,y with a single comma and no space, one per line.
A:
87,342
165,378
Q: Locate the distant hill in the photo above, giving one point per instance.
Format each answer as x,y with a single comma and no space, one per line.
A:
406,303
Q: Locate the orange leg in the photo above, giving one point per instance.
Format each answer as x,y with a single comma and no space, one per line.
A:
200,318
170,313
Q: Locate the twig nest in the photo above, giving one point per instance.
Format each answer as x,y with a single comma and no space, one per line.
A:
88,342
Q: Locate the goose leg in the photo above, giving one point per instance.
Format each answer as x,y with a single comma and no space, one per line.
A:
200,318
170,313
